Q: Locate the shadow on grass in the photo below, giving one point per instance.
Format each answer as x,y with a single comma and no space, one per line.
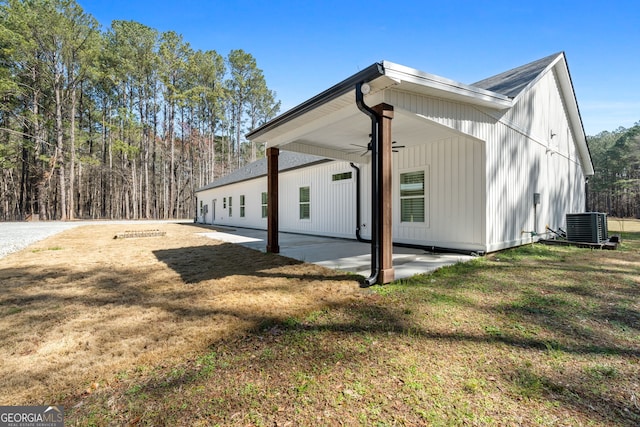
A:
378,317
201,263
302,348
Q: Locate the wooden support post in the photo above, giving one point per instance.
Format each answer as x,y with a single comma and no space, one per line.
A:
272,200
385,169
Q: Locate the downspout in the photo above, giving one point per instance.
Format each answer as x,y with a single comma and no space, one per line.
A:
359,237
375,171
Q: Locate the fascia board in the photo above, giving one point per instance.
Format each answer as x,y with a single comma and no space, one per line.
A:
577,126
366,75
445,87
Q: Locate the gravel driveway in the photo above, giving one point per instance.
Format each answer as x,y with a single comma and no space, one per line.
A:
15,236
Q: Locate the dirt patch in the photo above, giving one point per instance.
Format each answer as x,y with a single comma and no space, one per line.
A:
81,306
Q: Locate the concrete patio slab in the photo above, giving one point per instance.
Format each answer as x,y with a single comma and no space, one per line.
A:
339,254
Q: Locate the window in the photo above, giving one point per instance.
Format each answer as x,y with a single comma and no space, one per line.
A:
341,176
242,206
264,204
230,207
201,210
412,196
305,208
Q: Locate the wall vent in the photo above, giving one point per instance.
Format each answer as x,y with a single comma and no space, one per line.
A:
588,227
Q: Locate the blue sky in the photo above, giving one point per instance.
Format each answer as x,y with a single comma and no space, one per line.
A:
305,47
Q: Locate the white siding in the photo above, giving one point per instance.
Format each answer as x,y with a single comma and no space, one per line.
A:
455,191
481,173
546,162
332,203
252,191
520,159
454,196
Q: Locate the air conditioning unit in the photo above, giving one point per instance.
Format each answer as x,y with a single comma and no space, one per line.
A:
587,227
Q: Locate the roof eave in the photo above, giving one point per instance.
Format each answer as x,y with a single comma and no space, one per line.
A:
451,87
399,74
366,75
578,125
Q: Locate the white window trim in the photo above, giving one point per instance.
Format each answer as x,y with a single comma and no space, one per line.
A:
308,203
264,218
427,195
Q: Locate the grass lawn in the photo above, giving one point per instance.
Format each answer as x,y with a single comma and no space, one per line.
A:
181,330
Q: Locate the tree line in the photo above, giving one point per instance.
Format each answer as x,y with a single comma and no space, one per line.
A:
615,187
122,123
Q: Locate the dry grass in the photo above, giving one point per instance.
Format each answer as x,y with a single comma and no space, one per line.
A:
623,225
533,336
81,306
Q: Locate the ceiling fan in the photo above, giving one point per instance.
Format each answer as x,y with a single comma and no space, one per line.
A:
366,149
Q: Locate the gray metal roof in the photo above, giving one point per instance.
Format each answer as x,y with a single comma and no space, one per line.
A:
512,82
287,160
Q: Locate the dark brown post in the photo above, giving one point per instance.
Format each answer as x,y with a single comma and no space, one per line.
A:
272,200
385,223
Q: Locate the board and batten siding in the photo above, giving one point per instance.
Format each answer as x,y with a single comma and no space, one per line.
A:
520,158
454,193
537,135
332,203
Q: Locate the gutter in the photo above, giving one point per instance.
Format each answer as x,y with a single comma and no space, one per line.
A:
375,199
396,72
370,73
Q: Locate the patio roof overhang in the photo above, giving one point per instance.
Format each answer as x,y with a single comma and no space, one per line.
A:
340,123
331,125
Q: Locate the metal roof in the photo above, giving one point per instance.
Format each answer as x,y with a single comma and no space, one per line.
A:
511,83
287,160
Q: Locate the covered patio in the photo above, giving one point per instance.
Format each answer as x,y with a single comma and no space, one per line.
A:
339,254
355,121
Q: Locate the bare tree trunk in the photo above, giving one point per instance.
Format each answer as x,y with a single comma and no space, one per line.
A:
111,183
238,132
72,160
172,169
4,195
154,193
60,152
80,203
134,192
145,164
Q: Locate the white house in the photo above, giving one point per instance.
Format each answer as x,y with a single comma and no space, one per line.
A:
477,167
